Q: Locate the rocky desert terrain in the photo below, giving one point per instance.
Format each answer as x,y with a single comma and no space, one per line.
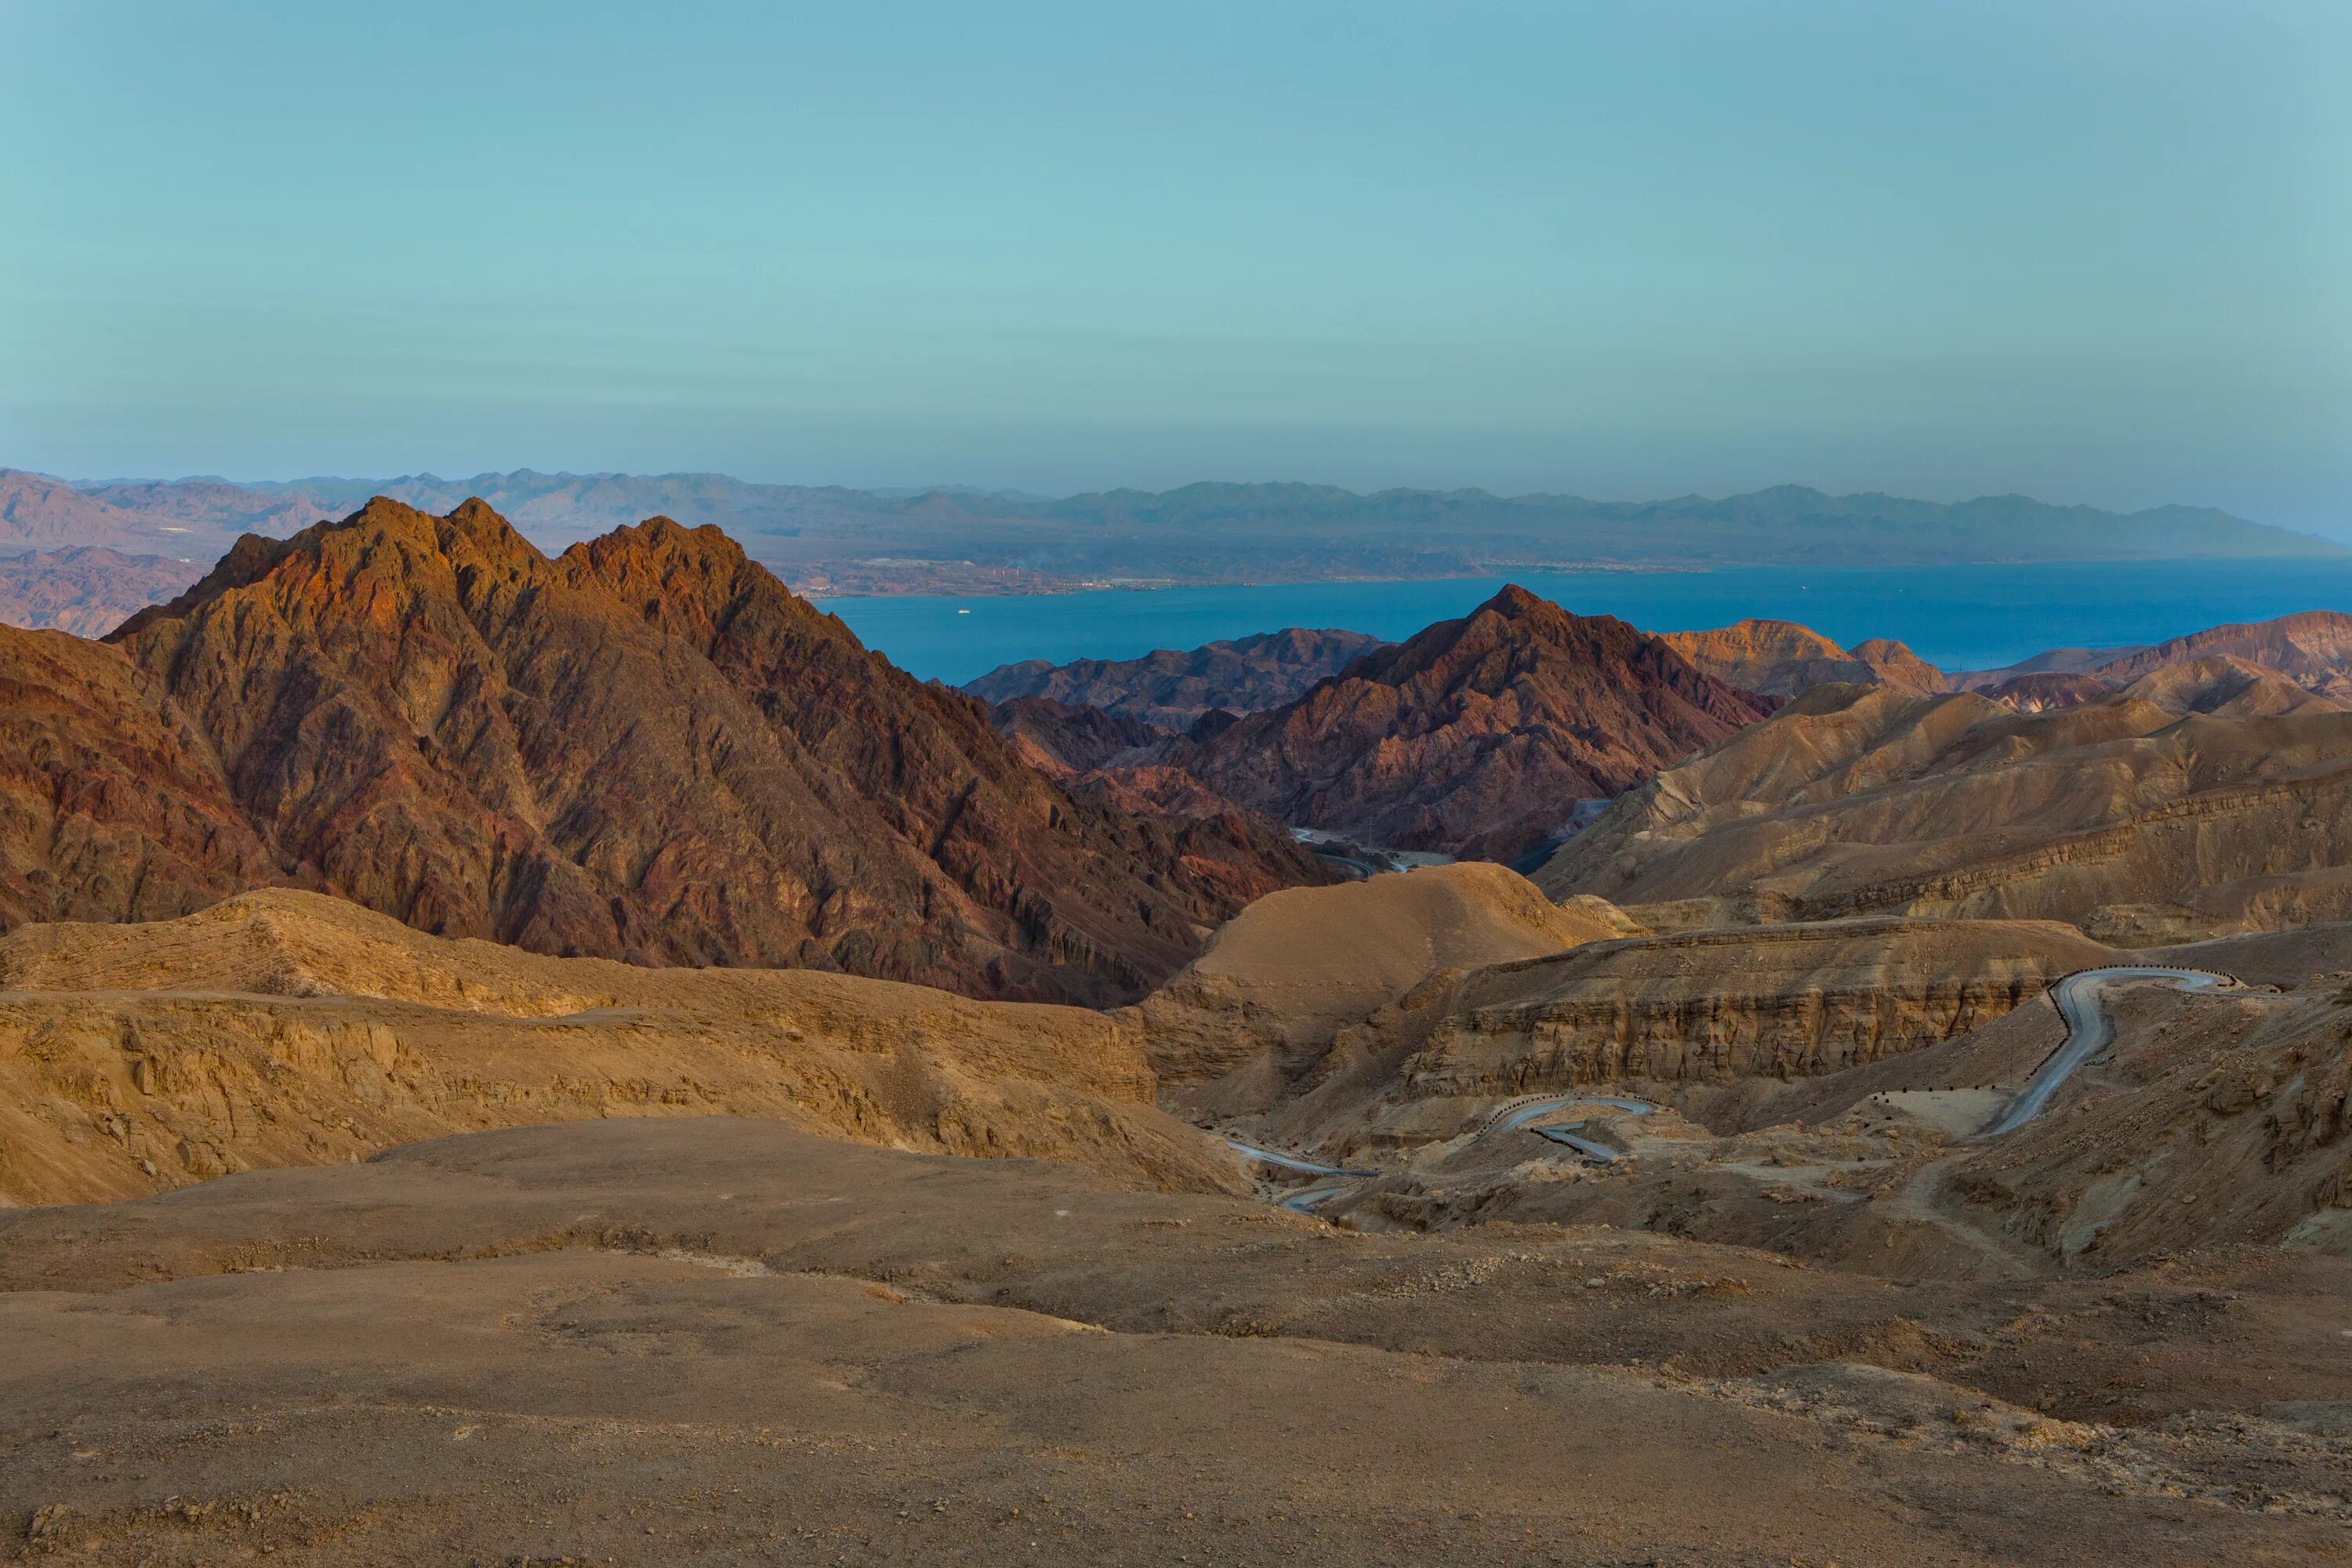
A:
2153,815
433,1249
517,1058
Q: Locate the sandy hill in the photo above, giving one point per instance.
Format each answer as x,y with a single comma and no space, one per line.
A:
1174,689
1776,1001
1782,658
1478,736
281,1028
2121,818
649,749
1281,978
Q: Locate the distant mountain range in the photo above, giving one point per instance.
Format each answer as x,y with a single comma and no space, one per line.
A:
831,540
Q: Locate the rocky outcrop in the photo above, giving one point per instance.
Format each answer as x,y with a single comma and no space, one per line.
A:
112,807
1478,736
1174,690
2313,649
649,749
1782,658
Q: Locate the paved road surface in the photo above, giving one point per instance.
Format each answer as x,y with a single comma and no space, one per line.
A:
1585,1146
2090,1029
1290,1162
1520,1115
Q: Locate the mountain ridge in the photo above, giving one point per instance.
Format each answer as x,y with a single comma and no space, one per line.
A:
839,540
646,747
1478,736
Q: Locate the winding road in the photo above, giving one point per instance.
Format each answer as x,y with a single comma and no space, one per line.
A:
1520,1112
2090,1029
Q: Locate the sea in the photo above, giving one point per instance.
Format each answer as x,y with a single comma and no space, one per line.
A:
1957,617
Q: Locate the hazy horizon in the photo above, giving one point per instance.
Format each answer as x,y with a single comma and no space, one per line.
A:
2075,251
89,482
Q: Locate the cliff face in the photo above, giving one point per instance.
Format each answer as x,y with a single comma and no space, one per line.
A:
646,749
1788,1001
1172,690
112,808
1782,658
1283,977
1478,736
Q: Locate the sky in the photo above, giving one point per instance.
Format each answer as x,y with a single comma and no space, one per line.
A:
2086,250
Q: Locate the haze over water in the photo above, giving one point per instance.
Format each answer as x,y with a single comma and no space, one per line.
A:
1977,617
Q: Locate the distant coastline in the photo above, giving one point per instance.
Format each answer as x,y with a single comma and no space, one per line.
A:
1981,618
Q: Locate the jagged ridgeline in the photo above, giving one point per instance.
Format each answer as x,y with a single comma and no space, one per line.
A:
646,748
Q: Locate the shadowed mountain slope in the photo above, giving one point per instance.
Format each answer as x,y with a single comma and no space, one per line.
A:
1478,736
112,807
1174,690
649,749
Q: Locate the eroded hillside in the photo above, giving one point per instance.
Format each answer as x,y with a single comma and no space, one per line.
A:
2125,818
283,1029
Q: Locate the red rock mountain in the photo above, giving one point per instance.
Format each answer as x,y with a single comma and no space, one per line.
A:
1478,736
1066,739
112,807
649,749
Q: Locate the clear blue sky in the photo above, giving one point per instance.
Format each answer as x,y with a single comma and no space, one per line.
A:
2097,251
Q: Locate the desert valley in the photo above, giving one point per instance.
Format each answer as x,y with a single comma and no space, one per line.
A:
666,1085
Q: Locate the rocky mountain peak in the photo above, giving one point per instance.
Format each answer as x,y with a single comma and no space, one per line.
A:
1478,736
652,749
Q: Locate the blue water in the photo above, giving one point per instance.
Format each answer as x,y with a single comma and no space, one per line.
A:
1975,618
